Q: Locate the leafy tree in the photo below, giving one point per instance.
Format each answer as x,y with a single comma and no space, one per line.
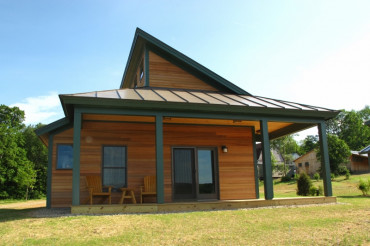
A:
286,145
354,132
17,175
309,143
339,153
37,153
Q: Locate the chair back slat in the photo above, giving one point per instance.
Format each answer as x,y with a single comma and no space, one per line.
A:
94,182
150,184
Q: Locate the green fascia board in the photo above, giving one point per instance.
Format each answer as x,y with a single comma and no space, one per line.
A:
141,39
273,114
64,122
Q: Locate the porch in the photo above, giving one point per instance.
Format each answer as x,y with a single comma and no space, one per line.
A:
198,206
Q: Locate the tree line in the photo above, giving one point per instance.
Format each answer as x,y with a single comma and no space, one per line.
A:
23,158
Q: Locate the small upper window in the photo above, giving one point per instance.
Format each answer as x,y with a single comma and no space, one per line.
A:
64,156
299,164
141,73
306,164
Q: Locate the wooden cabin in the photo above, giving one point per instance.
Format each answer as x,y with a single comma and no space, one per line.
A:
174,119
308,163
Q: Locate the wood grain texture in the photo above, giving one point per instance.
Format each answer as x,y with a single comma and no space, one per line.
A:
163,73
236,171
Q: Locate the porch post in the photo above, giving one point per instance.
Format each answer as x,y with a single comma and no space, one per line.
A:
256,179
266,156
159,157
76,158
325,159
49,171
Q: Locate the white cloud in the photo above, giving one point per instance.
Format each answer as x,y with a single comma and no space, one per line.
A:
340,81
44,109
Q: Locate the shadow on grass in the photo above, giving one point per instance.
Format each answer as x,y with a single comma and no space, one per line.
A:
357,197
8,214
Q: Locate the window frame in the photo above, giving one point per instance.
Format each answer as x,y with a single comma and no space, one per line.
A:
57,156
125,168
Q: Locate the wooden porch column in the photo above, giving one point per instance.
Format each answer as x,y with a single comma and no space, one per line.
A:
267,169
76,158
256,178
325,159
49,171
159,157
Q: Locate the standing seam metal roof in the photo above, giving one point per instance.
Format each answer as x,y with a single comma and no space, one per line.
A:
193,96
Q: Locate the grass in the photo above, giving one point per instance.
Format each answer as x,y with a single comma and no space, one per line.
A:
347,223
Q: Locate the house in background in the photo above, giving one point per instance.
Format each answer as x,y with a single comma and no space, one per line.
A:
359,161
174,119
308,163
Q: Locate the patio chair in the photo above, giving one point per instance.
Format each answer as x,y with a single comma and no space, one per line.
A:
95,188
149,188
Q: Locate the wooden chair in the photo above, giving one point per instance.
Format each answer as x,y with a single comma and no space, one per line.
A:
94,185
149,188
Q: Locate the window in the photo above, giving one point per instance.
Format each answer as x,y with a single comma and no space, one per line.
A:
114,166
64,156
306,164
299,164
141,73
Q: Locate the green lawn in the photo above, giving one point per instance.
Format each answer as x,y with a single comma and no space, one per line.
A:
346,223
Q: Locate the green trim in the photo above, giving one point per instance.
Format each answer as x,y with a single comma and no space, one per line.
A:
159,158
255,164
142,38
266,156
146,66
52,126
325,159
49,171
76,158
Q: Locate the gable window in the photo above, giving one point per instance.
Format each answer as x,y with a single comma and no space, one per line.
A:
299,164
306,164
141,73
64,156
114,166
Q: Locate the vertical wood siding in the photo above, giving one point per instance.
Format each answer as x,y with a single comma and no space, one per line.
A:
163,73
236,171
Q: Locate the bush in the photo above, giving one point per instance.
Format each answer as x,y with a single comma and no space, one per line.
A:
316,176
285,178
342,170
313,191
332,176
304,184
348,174
364,187
320,191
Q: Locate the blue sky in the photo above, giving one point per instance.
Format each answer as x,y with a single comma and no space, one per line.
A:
313,52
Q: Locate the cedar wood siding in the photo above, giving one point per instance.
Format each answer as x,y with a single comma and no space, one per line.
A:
163,73
236,168
359,164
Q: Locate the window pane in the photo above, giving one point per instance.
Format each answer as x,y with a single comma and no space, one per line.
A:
115,177
65,156
114,156
205,172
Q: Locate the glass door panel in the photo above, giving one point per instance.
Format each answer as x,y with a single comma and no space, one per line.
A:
183,164
206,174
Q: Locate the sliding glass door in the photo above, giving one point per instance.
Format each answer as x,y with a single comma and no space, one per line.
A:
194,173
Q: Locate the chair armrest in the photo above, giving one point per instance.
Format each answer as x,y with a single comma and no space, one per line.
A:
90,190
109,188
142,188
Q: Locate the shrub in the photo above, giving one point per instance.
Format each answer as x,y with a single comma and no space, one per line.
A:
285,178
316,176
332,176
342,170
313,191
304,184
320,191
347,174
364,187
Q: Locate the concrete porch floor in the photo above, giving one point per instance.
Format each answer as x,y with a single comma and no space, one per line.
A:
197,206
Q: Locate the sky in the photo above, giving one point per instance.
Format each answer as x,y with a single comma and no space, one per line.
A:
312,52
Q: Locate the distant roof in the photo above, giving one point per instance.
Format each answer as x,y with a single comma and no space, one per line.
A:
358,153
365,150
143,40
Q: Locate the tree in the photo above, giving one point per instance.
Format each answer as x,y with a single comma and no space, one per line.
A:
339,153
17,175
354,132
286,145
309,143
37,153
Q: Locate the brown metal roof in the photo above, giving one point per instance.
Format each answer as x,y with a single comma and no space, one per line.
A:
192,96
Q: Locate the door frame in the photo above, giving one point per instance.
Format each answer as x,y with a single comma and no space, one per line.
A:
216,173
